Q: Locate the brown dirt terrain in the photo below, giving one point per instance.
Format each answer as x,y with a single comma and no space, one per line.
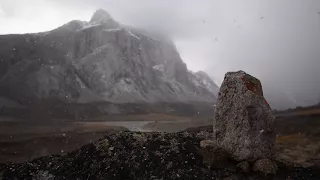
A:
298,137
22,140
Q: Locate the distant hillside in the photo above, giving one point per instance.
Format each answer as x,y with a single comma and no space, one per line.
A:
309,110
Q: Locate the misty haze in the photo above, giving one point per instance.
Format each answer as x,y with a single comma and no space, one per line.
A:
150,89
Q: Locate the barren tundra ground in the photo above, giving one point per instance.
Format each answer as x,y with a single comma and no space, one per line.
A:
298,139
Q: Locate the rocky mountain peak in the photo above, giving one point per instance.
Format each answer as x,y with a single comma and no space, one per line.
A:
100,60
100,16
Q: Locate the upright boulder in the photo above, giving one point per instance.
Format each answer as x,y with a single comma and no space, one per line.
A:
243,123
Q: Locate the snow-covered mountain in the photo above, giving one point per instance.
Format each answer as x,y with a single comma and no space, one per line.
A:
100,60
204,80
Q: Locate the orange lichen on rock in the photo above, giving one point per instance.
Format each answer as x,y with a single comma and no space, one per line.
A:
250,86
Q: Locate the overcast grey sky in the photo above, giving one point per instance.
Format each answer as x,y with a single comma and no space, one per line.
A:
277,41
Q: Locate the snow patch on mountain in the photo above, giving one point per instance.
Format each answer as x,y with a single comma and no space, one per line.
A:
87,26
133,35
113,30
159,67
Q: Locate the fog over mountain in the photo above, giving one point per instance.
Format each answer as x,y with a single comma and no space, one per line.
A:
99,60
276,41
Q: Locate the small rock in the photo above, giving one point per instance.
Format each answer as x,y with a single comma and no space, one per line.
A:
43,175
244,166
102,145
265,166
206,143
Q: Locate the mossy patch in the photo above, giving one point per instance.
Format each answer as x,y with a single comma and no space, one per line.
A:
102,146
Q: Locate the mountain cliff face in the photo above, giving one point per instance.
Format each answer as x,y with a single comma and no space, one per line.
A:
100,60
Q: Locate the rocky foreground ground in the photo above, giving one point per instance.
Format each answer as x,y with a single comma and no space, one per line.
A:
145,156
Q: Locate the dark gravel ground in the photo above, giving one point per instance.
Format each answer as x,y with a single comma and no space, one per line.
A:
141,156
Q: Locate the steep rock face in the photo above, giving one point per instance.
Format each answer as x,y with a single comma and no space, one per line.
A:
206,81
243,121
100,60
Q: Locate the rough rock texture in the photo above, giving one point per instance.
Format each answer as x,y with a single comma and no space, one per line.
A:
138,156
243,122
265,166
100,60
213,156
244,166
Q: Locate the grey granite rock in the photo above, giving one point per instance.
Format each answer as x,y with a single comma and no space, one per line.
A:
243,121
213,155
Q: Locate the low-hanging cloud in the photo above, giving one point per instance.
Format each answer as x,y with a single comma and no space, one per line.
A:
276,41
